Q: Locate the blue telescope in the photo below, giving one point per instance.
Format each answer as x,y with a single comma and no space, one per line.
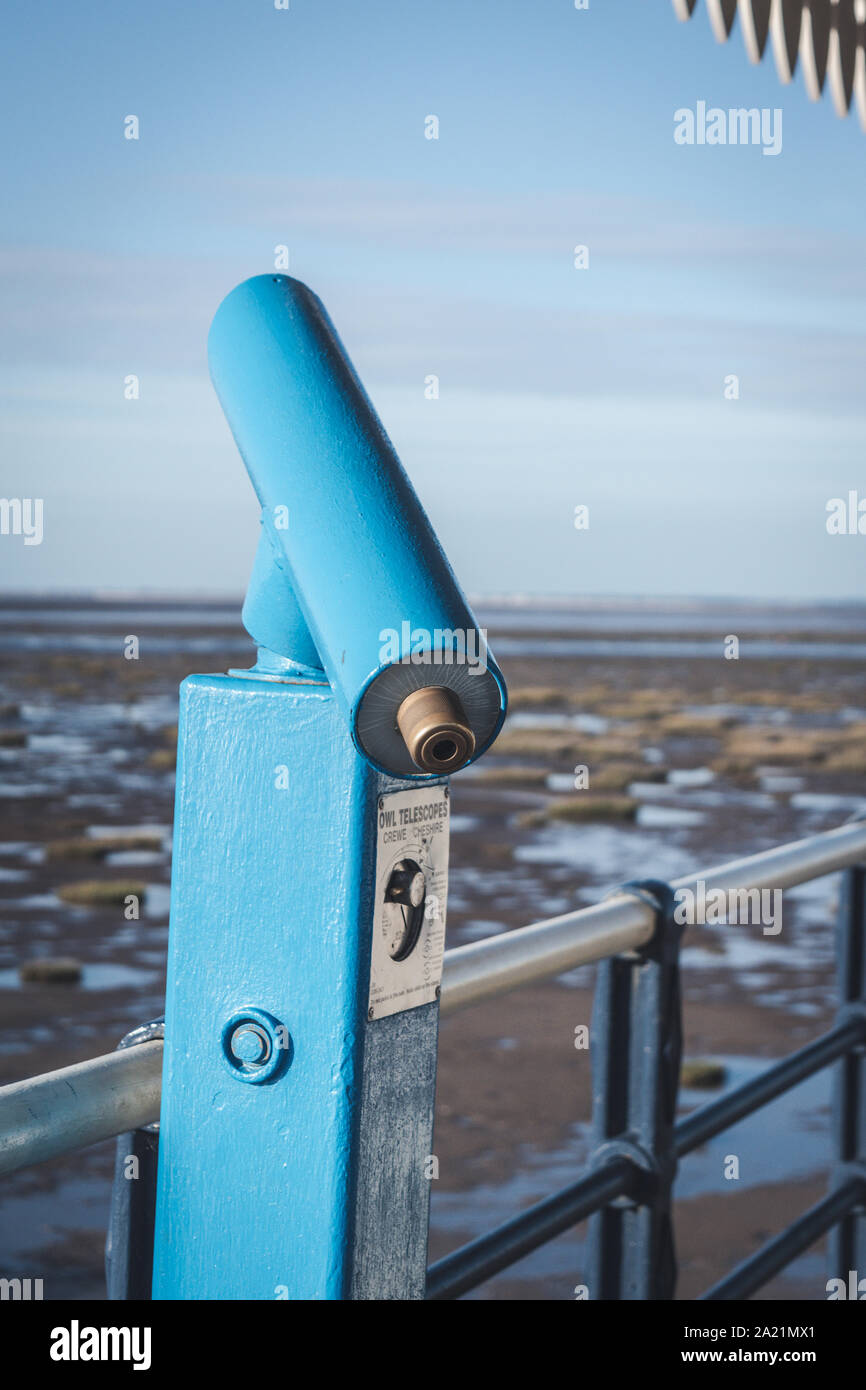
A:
350,576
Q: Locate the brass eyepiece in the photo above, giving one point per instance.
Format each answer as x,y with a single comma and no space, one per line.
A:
435,730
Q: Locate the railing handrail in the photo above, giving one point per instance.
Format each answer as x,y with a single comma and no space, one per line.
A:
53,1114
527,955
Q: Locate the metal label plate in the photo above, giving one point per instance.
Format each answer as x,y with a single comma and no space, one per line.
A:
408,934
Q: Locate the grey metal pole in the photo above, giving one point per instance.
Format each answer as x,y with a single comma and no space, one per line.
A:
486,968
50,1115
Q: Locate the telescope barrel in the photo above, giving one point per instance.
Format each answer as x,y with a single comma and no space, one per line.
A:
369,576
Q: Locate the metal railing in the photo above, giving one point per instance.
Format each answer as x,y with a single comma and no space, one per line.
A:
636,1038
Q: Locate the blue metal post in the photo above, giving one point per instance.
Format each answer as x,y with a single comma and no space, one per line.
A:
271,937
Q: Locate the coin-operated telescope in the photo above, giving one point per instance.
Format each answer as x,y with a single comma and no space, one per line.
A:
311,848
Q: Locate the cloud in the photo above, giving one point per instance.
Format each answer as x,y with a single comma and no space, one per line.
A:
425,217
152,314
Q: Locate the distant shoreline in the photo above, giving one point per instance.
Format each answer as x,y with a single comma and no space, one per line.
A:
689,629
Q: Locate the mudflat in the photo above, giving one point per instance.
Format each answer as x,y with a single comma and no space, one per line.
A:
625,755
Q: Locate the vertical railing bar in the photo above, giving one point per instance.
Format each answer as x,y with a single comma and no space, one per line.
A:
847,1245
637,1047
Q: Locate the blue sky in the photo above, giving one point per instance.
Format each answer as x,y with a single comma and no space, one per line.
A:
558,387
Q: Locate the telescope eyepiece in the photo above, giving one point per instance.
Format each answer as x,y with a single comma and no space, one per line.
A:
435,730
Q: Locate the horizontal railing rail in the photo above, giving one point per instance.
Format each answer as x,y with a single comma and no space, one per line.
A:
759,1268
480,1259
51,1115
729,1109
528,955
